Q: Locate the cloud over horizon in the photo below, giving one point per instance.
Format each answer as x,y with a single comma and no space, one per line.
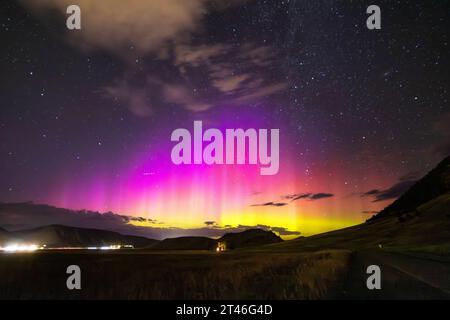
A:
309,196
272,204
21,216
295,197
392,192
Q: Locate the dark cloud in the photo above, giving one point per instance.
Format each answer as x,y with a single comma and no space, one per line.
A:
210,223
310,196
299,196
409,176
139,219
294,197
443,148
371,192
370,212
186,70
16,216
283,231
390,193
318,196
273,204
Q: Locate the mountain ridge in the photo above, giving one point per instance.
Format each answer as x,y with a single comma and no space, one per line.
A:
434,184
232,240
56,235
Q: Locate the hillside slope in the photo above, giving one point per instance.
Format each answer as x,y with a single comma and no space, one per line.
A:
65,236
433,185
419,218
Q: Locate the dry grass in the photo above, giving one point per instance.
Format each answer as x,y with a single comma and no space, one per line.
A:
315,275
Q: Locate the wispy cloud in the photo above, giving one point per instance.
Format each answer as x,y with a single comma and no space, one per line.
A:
270,204
309,196
294,197
370,212
392,192
145,26
318,196
155,38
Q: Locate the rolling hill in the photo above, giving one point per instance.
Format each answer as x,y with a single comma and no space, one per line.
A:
65,236
247,238
185,243
54,236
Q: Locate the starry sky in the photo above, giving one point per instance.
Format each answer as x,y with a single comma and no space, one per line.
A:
86,115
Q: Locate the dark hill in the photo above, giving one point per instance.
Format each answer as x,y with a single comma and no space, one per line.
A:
251,237
28,215
433,185
186,243
65,236
247,238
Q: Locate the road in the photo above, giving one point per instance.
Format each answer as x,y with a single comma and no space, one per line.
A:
402,277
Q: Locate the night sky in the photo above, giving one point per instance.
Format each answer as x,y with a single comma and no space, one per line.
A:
86,115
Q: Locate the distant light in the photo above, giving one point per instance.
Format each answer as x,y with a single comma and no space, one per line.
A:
221,246
33,247
20,248
111,247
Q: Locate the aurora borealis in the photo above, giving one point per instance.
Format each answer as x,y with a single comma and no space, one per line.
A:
86,116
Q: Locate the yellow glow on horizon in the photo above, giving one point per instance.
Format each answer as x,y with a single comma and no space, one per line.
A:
289,217
307,225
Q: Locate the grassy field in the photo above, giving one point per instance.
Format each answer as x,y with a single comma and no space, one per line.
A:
170,275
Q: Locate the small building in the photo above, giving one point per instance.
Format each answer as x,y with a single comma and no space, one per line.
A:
221,246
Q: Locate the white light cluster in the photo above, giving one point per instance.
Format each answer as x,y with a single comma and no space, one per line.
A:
111,247
16,247
20,247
